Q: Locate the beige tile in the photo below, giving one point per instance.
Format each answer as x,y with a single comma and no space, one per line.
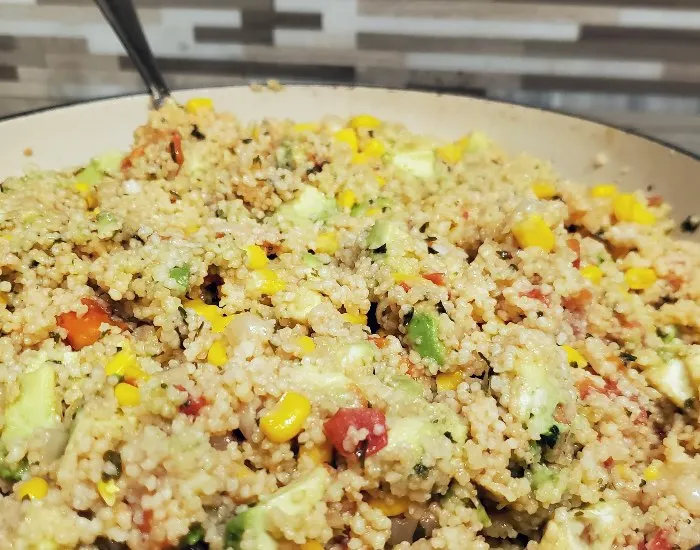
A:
16,105
684,72
483,9
411,43
51,44
81,62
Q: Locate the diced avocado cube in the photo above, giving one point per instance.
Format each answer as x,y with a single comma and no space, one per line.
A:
253,521
423,336
108,162
420,163
357,354
310,205
90,175
36,407
536,396
296,501
379,236
193,536
672,379
311,260
301,305
407,385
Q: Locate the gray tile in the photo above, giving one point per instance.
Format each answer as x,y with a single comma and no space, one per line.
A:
208,4
610,48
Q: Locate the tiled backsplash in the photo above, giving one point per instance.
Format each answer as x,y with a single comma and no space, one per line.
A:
633,62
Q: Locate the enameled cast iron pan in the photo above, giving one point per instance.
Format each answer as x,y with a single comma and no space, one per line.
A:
579,149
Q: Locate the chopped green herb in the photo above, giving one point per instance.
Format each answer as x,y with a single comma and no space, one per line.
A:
550,437
14,473
193,536
181,275
421,470
115,459
627,357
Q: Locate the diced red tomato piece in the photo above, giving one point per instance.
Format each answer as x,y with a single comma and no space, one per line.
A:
405,286
659,541
608,463
655,200
575,246
193,405
146,523
437,278
84,331
373,420
578,301
465,215
379,341
536,294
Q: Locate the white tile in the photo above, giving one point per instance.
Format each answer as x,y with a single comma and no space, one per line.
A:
659,18
470,28
188,17
642,70
302,38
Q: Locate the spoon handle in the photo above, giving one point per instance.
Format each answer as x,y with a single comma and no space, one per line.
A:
122,17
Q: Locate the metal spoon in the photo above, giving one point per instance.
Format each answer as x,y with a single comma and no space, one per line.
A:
123,19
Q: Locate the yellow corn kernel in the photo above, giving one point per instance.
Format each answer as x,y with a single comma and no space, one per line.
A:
623,471
651,472
217,355
450,153
544,189
87,192
573,356
346,199
319,454
447,381
123,360
196,104
312,545
604,190
407,278
287,417
306,127
534,231
380,180
640,278
108,490
593,273
306,344
374,148
348,136
255,257
355,318
35,488
360,158
191,229
327,243
627,208
211,313
364,121
3,299
242,471
390,505
127,395
265,281
373,212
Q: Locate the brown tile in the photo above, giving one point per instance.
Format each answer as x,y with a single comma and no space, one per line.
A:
251,69
225,35
610,85
615,3
52,44
7,43
81,62
208,4
8,73
280,20
409,43
469,83
593,33
609,48
324,56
